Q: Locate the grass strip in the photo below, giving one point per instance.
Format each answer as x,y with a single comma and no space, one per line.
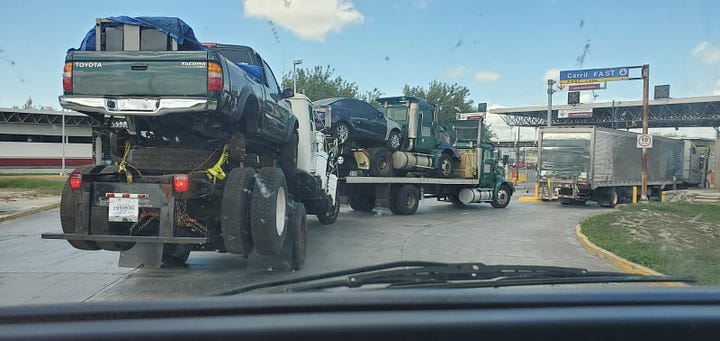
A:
38,186
678,238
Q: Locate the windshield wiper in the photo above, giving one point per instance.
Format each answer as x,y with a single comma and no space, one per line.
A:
409,274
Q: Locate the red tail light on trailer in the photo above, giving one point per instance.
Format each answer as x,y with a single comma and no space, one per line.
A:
75,181
181,182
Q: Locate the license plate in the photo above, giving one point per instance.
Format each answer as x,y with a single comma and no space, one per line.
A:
123,209
136,104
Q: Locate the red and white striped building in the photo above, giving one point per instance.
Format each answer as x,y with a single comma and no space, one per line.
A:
32,139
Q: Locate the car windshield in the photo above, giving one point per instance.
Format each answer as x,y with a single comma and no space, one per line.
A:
142,159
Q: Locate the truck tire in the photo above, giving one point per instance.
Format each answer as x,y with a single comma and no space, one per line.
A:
100,225
614,197
405,201
268,211
381,162
363,203
68,215
288,160
117,142
299,237
503,197
446,167
235,211
330,213
609,197
175,254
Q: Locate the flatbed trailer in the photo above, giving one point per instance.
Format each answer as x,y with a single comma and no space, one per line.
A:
475,179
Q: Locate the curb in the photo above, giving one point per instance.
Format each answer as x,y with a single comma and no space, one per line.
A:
30,211
618,262
528,199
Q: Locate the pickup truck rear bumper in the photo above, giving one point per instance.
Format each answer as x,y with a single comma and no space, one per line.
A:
137,106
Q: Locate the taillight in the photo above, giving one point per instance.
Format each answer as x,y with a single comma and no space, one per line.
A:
181,182
67,77
215,80
75,181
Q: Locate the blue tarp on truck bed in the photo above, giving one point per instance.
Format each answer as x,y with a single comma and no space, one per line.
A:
172,26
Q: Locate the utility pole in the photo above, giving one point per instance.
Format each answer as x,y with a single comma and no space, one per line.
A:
517,156
645,117
550,93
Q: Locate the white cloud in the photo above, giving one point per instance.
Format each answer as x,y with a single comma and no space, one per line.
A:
553,73
454,72
716,92
308,19
485,76
707,53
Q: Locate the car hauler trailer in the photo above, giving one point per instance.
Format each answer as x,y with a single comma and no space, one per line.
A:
475,178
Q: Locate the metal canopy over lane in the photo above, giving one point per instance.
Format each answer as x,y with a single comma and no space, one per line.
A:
50,118
44,117
664,113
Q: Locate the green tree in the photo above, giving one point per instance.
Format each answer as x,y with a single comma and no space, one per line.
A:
370,97
489,135
449,98
318,83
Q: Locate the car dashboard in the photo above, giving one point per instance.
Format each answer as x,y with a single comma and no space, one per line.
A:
656,313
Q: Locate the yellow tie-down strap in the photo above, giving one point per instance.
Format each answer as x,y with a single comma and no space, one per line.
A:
216,172
122,167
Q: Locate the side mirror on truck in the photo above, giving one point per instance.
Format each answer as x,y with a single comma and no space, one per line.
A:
287,93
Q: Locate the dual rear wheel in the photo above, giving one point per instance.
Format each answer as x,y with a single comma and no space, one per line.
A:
253,211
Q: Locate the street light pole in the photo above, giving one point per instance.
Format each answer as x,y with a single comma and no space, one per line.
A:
295,64
550,93
62,170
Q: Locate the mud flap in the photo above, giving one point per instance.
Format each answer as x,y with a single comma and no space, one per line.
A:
149,255
146,255
283,260
383,194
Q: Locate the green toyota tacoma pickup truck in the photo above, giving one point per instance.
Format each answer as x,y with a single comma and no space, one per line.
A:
195,147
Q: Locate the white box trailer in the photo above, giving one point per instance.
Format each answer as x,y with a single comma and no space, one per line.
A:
579,164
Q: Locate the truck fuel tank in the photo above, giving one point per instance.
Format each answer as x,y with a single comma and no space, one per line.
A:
472,195
405,160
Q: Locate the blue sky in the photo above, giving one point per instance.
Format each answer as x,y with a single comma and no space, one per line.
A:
502,50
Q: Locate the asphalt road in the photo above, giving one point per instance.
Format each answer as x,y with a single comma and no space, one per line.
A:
34,270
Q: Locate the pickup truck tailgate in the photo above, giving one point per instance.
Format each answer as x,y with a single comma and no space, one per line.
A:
171,73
